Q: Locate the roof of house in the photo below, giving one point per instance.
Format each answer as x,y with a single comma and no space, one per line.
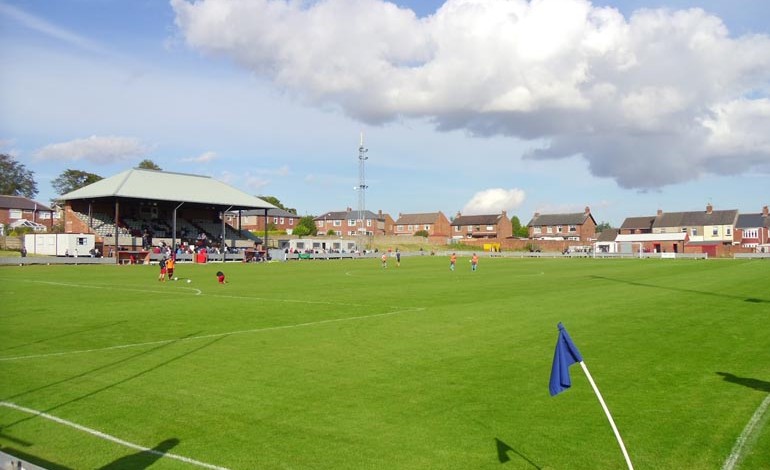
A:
351,214
483,219
270,213
752,221
607,235
644,222
695,219
427,218
167,186
578,218
21,202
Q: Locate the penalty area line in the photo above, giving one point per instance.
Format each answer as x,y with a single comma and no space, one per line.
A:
747,436
108,437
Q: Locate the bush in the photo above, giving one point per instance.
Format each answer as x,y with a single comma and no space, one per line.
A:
421,233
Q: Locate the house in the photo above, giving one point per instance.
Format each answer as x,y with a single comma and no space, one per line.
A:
575,226
753,230
435,223
352,222
15,210
709,227
637,225
605,242
254,220
482,226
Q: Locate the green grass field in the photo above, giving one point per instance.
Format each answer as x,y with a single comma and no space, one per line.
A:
345,365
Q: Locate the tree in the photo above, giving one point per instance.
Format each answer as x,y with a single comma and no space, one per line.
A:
15,179
602,227
518,229
421,233
305,226
277,203
71,180
148,165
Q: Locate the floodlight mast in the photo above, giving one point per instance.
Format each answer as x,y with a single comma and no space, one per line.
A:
362,184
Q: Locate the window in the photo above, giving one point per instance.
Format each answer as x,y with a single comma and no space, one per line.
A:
751,233
684,229
536,230
351,222
573,228
694,232
319,223
715,231
549,229
283,221
291,221
426,227
490,228
410,228
470,229
44,215
337,223
275,220
368,222
457,228
14,213
558,229
300,245
399,228
728,231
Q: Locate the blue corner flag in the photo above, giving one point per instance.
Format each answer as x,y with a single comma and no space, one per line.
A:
565,355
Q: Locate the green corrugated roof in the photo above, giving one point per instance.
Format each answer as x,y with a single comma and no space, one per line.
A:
168,186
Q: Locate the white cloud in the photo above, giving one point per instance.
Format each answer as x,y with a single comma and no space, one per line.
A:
645,100
205,157
493,201
95,149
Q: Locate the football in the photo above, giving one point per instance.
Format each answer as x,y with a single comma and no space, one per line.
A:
189,281
176,278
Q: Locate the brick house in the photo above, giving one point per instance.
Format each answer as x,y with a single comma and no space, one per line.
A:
15,208
349,223
576,226
435,223
707,227
254,220
482,226
753,230
637,225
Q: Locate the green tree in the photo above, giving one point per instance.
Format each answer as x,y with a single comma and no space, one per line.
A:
305,226
518,229
71,180
15,179
602,227
421,233
277,203
148,165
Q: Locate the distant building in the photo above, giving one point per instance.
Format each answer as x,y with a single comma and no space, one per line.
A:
254,220
14,210
435,223
349,223
753,230
482,226
579,226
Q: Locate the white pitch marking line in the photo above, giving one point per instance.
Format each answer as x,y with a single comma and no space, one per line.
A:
213,335
108,437
746,435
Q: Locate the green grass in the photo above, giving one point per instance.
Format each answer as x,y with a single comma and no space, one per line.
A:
344,365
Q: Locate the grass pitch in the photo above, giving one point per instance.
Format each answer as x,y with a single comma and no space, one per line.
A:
345,365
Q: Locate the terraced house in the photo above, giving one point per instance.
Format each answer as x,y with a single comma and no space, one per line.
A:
482,226
573,226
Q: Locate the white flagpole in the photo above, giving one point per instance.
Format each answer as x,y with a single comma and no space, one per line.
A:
609,416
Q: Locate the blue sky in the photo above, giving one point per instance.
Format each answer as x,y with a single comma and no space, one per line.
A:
466,105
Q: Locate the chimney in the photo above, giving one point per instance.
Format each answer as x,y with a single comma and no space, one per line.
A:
458,214
588,210
765,212
349,209
537,214
709,208
379,212
660,211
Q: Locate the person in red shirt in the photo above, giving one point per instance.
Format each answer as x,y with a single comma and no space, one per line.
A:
221,277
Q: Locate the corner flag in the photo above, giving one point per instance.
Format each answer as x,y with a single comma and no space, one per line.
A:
565,355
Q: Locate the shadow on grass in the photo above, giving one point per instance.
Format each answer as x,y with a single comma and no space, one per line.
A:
33,460
143,459
756,384
119,382
503,457
678,289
